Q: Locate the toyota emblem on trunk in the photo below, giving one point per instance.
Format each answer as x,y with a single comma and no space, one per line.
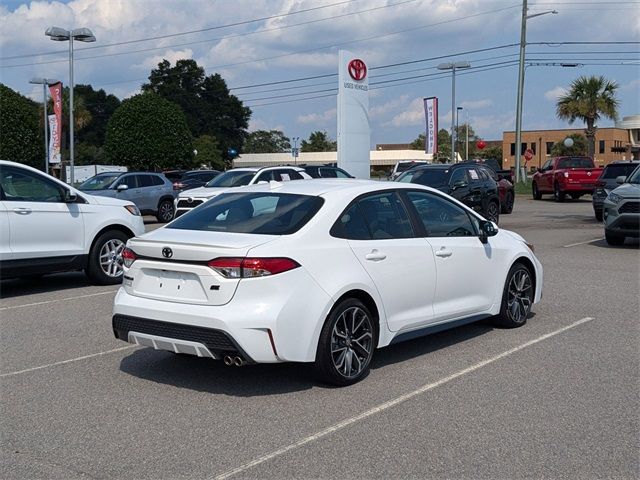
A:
357,69
167,252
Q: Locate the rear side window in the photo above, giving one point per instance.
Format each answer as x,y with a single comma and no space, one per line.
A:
156,180
258,213
351,225
144,181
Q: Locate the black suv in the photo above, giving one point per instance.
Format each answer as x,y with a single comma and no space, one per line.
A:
607,182
325,171
468,182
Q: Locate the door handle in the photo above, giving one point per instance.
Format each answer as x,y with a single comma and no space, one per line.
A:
22,210
375,256
443,253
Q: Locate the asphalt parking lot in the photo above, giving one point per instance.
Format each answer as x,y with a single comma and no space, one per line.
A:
557,398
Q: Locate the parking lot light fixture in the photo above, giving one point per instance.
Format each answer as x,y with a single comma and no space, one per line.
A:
45,82
58,34
453,66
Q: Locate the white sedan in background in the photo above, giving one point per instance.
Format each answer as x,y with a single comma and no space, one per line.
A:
324,271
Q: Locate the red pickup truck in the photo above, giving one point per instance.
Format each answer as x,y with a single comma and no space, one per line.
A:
562,176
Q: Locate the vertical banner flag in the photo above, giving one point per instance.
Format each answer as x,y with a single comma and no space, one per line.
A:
55,123
431,114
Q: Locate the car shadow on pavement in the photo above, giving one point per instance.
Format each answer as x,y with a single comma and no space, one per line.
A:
212,376
17,287
629,244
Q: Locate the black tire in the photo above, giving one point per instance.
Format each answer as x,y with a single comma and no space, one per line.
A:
576,196
166,211
507,207
493,212
613,238
598,214
517,297
337,344
105,263
536,193
558,195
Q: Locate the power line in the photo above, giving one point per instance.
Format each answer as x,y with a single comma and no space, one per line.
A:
189,32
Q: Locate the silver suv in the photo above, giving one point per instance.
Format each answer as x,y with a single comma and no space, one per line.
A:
151,192
622,210
236,177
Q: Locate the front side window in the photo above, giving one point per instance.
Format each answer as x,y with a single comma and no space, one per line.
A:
441,217
618,170
129,180
99,182
328,173
458,176
256,213
23,186
232,179
547,165
265,176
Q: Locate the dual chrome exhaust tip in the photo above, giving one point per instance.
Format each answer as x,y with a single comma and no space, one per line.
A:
235,361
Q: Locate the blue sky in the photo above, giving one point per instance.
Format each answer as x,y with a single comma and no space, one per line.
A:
291,45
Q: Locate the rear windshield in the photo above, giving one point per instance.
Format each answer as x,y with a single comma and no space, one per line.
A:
403,167
261,213
431,177
99,182
231,179
618,170
575,162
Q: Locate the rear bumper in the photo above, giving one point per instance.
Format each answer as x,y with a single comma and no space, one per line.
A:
266,321
577,188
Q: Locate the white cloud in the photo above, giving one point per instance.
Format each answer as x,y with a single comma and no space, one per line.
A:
477,104
413,115
171,55
378,111
633,85
553,94
317,118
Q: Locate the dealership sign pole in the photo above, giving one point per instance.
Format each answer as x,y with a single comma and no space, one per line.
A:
431,136
354,136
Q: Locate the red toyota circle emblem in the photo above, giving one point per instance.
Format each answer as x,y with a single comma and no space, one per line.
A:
357,69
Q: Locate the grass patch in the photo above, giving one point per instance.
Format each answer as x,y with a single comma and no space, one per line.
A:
523,188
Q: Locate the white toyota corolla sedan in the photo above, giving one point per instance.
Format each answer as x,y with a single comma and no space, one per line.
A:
322,271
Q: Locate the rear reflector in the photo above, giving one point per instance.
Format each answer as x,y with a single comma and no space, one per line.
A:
235,267
128,257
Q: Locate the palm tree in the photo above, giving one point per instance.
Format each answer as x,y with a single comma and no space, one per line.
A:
588,99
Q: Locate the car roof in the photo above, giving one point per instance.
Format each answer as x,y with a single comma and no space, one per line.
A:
259,169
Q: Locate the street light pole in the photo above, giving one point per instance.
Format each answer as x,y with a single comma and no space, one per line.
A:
457,130
523,43
45,82
61,35
453,67
294,150
467,130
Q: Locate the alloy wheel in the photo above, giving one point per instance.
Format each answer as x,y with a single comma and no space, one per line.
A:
166,211
492,212
111,258
352,342
519,296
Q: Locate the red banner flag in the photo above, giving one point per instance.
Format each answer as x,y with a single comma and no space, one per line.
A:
56,126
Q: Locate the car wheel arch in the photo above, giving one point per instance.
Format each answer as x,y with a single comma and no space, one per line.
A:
368,301
530,266
118,227
165,198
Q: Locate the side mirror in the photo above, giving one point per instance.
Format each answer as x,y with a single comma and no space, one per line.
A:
487,229
459,184
69,196
122,187
621,179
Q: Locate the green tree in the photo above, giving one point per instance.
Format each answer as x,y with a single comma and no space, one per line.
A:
494,152
148,132
579,146
21,139
318,142
443,155
588,99
263,141
100,107
209,107
208,152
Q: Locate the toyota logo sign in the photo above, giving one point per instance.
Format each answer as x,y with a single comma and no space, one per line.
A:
167,252
357,69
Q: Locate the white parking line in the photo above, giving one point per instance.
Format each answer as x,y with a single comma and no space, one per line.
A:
392,403
58,300
582,243
71,360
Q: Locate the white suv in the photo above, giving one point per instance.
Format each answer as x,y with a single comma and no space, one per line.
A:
237,177
47,226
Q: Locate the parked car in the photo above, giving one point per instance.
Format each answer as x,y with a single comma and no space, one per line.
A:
151,192
506,190
404,165
325,171
607,182
468,182
194,179
322,272
562,176
47,226
236,177
622,210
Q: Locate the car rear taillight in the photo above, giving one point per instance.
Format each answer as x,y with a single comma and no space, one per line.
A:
235,267
566,174
128,257
178,186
